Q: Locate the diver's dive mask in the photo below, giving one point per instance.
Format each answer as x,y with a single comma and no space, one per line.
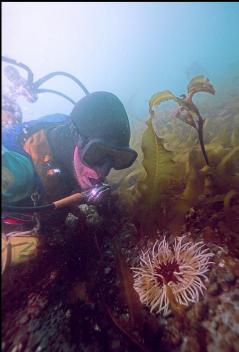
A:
101,120
96,152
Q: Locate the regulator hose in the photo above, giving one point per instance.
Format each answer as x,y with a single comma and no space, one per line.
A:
36,209
77,197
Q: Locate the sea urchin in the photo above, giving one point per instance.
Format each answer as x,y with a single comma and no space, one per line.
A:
181,268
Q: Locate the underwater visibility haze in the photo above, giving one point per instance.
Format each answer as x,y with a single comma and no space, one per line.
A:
155,266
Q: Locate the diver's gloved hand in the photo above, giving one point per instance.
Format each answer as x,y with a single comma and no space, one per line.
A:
97,194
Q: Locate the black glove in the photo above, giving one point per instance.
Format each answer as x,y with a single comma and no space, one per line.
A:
97,194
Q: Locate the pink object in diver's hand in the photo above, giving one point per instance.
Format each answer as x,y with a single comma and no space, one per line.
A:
83,173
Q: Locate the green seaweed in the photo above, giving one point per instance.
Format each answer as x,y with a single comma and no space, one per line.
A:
152,177
175,173
188,112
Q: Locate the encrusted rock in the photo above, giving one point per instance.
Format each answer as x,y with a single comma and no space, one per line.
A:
229,277
190,344
214,289
71,221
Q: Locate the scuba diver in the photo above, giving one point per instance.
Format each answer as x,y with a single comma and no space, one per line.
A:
57,160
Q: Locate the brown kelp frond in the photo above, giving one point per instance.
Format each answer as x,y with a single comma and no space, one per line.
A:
187,111
160,97
208,182
159,167
200,84
157,162
152,179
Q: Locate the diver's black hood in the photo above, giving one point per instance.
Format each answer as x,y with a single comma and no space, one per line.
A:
101,118
101,115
